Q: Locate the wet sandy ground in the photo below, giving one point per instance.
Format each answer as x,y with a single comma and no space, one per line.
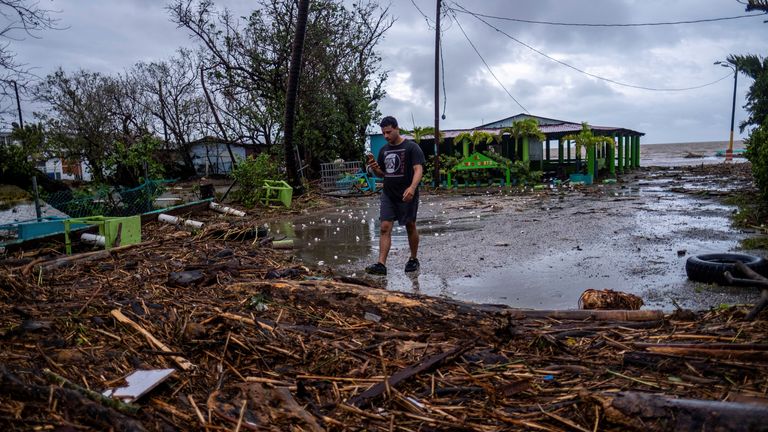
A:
543,249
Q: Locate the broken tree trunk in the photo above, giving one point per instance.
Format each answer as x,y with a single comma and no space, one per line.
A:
659,412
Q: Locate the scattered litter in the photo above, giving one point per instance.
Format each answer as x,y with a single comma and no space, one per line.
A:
226,210
174,220
140,383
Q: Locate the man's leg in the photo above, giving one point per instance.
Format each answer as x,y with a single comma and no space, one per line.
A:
413,238
385,240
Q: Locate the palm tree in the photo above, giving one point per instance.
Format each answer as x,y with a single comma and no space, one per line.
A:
588,140
755,67
419,133
475,138
525,129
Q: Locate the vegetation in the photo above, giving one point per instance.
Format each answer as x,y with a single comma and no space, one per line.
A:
418,133
247,60
17,160
21,18
757,153
250,175
588,140
231,89
755,67
476,138
524,129
135,164
12,195
447,162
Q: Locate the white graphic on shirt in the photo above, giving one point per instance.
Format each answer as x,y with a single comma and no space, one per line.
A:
392,163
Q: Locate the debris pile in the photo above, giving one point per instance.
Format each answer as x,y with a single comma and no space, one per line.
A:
305,352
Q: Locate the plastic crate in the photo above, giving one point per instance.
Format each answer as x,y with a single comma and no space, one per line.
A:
117,231
277,191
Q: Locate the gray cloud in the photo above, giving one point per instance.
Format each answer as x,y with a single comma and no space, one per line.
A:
112,35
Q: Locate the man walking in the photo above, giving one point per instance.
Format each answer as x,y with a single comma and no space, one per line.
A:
403,163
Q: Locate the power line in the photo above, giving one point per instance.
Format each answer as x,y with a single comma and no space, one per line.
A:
484,62
429,20
566,24
583,71
426,18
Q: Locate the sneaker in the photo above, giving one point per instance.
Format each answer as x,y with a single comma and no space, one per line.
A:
377,269
412,265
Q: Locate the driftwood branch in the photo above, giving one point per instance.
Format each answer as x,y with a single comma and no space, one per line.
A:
659,412
760,281
598,315
754,352
406,373
180,361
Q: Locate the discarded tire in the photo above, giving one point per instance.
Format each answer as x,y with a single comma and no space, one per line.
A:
710,267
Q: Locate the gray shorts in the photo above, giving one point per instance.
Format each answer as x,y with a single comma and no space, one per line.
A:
403,212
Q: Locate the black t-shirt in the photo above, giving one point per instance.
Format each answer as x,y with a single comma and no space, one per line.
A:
397,162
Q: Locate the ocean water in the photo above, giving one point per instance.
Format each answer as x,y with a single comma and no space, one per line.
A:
686,154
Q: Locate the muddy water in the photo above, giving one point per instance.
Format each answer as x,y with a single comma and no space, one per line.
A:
541,250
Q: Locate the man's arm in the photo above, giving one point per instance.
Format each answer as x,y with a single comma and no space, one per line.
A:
418,172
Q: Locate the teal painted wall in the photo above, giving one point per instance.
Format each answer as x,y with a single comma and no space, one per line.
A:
377,142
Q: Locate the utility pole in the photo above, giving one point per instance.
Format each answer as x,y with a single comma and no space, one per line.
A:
437,95
18,105
735,68
293,88
162,112
729,152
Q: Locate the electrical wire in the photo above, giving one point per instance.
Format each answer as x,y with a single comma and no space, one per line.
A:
455,18
566,24
426,18
583,71
431,22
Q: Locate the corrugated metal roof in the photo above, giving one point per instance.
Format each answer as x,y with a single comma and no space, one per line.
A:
553,129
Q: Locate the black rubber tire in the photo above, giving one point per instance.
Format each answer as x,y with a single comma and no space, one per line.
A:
710,267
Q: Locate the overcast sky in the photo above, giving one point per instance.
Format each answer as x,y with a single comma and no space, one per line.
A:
111,35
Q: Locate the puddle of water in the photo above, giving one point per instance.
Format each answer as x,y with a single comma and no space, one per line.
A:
526,255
